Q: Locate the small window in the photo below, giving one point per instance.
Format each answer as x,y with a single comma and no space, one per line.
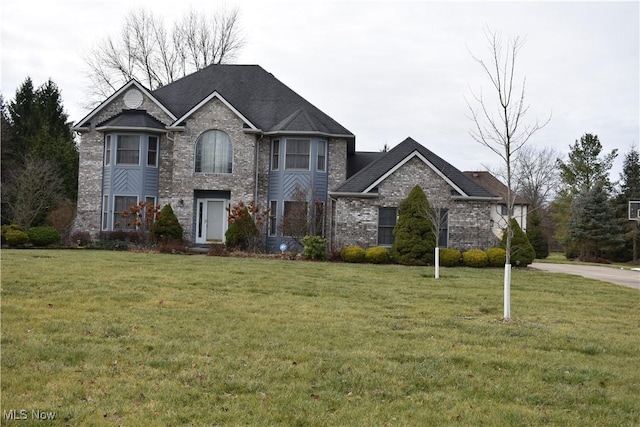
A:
322,156
443,232
387,218
275,155
105,212
214,152
152,151
503,209
107,150
128,150
273,218
120,205
297,154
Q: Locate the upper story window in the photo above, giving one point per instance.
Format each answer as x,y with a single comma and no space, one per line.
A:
297,153
128,150
275,154
152,151
214,153
321,165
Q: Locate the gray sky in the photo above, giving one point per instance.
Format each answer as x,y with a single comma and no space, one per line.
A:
385,70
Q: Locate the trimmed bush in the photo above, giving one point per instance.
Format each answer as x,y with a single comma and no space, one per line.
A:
496,256
16,237
450,257
315,247
414,241
43,236
377,255
8,227
166,228
475,258
242,231
352,254
522,253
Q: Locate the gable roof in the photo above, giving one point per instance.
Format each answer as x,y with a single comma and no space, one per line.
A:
263,102
86,120
494,185
370,176
132,119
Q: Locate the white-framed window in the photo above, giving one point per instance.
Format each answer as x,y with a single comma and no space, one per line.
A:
275,154
120,205
297,153
152,151
321,164
128,150
214,153
387,218
105,212
107,150
273,218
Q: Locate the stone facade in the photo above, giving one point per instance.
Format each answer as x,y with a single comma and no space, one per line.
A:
91,155
179,190
356,218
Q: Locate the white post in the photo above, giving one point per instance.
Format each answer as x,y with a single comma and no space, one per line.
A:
507,291
437,262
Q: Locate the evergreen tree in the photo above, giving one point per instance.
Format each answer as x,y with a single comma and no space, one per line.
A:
415,240
242,230
40,130
586,168
536,236
594,226
166,228
629,191
522,252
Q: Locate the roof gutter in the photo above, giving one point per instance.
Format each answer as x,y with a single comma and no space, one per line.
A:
338,194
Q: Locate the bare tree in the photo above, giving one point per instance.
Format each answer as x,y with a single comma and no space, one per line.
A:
32,191
536,175
146,51
499,124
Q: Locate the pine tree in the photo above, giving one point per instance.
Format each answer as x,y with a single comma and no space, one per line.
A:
594,225
536,237
415,240
629,191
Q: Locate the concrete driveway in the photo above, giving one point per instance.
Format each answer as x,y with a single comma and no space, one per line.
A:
626,277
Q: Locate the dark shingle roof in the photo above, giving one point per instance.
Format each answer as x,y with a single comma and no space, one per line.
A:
266,102
360,159
378,168
134,119
494,185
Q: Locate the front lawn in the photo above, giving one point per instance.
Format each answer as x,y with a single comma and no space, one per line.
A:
112,338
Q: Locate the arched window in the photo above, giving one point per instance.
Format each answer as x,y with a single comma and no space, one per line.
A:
214,152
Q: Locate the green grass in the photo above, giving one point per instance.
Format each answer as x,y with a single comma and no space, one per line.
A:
108,338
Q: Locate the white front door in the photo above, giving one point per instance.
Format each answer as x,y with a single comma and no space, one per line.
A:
211,220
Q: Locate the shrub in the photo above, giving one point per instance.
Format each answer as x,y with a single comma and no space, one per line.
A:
522,253
81,238
414,238
315,247
352,254
377,255
536,237
475,258
450,257
166,227
496,256
8,227
16,237
242,231
43,236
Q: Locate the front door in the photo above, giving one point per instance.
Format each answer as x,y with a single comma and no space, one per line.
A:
211,220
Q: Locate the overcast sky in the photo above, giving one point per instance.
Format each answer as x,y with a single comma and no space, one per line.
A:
385,70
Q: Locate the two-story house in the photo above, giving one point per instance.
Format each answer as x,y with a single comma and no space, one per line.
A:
234,133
